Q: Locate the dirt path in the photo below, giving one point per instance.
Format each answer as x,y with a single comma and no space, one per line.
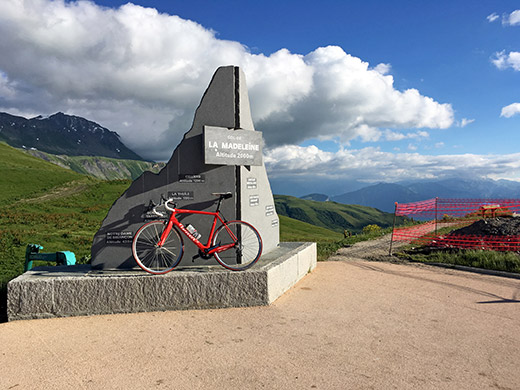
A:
67,189
370,250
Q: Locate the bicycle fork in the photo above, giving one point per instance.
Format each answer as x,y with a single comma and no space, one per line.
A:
165,233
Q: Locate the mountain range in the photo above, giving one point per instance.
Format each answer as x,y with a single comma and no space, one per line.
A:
87,147
384,195
63,134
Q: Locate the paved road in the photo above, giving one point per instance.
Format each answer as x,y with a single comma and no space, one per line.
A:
350,324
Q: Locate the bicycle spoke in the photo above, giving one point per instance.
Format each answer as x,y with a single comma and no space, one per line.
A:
152,258
246,249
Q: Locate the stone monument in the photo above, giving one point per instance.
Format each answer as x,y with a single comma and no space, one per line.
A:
222,152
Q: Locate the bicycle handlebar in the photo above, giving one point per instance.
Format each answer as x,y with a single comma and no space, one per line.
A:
166,206
170,200
165,202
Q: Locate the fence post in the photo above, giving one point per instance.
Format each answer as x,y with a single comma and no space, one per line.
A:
436,210
393,228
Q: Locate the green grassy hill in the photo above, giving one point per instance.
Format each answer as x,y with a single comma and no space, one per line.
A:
101,167
332,215
45,204
23,176
294,230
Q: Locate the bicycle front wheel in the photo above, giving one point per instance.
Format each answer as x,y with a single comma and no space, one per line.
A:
244,242
150,256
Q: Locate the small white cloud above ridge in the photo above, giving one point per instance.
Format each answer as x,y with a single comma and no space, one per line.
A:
493,17
464,122
505,60
510,110
513,19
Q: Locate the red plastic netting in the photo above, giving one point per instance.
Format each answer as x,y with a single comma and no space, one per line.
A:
437,222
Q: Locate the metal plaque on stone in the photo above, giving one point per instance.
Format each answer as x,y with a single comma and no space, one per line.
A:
251,183
269,210
181,195
232,147
119,238
185,178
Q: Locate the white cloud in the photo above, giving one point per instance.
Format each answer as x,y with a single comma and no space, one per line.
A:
390,135
493,17
509,111
383,68
137,71
512,19
464,122
505,60
374,165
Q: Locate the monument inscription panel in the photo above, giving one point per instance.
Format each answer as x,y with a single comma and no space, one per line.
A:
193,178
119,237
232,147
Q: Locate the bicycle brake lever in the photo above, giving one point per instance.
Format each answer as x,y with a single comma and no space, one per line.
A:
158,213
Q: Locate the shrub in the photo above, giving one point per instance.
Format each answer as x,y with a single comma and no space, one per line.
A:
372,229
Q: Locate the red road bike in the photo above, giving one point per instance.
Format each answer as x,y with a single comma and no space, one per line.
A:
158,246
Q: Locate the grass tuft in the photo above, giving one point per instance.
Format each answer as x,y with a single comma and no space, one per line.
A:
492,260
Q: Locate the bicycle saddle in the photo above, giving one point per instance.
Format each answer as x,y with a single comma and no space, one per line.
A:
223,195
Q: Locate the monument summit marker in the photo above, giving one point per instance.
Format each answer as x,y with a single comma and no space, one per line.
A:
222,152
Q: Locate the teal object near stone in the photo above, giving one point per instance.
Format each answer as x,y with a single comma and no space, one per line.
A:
32,253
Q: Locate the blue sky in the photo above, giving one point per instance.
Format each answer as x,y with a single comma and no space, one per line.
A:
343,90
444,49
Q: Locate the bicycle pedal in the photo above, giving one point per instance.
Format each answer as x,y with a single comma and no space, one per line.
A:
194,258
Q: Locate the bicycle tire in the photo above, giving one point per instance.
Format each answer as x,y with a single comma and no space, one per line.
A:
246,253
152,258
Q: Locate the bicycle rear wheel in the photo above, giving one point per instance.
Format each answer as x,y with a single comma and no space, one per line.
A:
246,245
149,255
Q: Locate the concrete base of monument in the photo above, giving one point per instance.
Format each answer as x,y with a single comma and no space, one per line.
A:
63,291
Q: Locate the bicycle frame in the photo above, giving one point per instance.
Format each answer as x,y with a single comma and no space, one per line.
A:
206,248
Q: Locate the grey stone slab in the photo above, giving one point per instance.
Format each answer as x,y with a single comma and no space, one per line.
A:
62,291
188,178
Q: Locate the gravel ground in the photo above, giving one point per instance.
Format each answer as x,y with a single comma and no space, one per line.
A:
369,250
350,324
500,226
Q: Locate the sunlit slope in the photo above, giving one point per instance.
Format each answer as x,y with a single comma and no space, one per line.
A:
101,167
294,230
24,176
332,215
